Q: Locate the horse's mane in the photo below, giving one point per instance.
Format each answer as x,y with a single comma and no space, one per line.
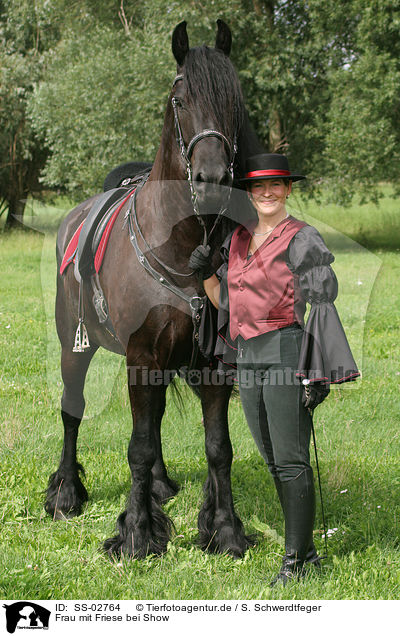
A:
214,87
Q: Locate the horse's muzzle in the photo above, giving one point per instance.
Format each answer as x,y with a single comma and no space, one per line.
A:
212,187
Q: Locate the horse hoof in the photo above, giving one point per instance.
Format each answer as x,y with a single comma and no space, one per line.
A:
138,542
230,544
65,496
225,539
59,515
163,490
132,547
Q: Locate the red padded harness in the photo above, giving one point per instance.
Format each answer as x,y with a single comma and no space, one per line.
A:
70,252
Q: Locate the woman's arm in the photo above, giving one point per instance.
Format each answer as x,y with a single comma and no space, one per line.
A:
212,288
325,355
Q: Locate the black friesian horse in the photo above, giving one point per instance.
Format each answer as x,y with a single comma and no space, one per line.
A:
153,325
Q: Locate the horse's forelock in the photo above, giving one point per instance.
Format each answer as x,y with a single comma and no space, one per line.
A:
214,87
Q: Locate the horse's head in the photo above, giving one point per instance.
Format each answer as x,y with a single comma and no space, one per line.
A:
208,111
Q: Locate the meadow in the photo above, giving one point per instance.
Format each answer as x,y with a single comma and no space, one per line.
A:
357,428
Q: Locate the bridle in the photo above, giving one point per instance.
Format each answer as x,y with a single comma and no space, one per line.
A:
186,152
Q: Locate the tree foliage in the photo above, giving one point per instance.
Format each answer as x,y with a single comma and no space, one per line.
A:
26,30
84,85
361,132
21,156
108,106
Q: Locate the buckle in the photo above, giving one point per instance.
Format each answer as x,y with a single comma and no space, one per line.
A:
196,304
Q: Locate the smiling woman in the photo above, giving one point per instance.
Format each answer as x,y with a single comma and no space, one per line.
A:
269,199
273,265
268,188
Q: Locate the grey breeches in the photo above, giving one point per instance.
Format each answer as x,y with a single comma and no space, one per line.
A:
271,400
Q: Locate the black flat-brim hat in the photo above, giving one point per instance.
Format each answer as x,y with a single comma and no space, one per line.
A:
269,166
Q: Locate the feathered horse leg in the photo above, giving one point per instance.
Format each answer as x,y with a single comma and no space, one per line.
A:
143,528
66,492
220,529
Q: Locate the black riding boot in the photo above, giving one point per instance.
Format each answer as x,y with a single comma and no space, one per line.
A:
312,554
298,502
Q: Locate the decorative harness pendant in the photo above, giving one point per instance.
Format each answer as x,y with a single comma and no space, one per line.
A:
81,338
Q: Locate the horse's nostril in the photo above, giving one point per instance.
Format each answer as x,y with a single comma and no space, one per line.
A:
200,177
215,178
226,179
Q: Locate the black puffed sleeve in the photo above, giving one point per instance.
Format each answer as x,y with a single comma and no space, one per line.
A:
325,354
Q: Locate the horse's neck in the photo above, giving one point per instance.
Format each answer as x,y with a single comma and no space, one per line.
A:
168,164
164,204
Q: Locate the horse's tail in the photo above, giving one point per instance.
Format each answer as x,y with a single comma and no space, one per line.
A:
176,390
177,387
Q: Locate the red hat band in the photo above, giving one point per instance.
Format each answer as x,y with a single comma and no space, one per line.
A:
268,173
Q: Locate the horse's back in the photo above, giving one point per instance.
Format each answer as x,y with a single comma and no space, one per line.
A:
133,169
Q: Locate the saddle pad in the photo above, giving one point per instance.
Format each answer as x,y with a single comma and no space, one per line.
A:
69,255
98,215
70,252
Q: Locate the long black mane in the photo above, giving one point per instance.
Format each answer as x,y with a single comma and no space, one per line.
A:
213,85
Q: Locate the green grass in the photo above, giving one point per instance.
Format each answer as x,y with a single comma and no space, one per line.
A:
373,226
357,433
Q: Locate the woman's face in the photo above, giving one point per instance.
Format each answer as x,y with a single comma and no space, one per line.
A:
269,197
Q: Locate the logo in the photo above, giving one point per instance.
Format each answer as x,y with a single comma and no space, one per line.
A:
26,615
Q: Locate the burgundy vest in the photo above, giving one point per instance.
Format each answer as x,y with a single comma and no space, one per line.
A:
264,294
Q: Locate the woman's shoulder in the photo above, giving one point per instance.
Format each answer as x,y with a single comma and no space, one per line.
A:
306,233
299,223
307,249
305,228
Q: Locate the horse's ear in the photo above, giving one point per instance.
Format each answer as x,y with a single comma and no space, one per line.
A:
224,37
180,43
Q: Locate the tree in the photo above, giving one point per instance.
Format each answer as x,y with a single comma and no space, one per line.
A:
28,29
91,79
361,133
105,93
288,49
23,37
22,158
283,51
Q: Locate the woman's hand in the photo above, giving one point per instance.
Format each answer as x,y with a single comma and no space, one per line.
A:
200,261
314,394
